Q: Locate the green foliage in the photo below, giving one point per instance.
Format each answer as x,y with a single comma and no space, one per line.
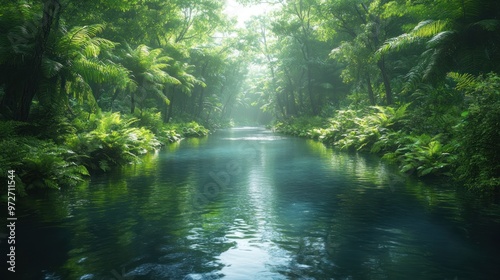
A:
8,129
40,164
435,110
479,134
422,30
299,126
111,141
193,129
378,129
49,166
422,154
169,132
150,119
366,130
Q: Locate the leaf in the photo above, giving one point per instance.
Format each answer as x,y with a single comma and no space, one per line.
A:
426,171
407,167
488,24
50,67
464,81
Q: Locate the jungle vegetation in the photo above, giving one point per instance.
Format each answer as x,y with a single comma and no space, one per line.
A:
88,85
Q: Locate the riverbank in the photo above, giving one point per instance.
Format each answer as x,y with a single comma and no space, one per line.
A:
390,132
67,151
204,208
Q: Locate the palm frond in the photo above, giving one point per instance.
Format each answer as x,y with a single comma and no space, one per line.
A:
83,40
162,96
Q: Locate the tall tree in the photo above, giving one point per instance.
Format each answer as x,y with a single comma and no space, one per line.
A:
360,25
19,93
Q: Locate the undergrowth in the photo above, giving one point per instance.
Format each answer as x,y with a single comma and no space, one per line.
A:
377,130
64,153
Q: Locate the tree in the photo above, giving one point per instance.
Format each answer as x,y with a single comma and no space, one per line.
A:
148,71
362,28
457,36
180,71
20,91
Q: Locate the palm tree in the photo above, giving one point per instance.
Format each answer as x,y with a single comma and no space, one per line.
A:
70,60
148,71
187,82
75,63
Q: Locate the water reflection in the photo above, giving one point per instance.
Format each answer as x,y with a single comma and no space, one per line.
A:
274,207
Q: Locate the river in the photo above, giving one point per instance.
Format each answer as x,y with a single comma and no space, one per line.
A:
246,203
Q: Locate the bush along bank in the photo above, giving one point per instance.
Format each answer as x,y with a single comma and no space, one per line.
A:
377,130
66,152
467,150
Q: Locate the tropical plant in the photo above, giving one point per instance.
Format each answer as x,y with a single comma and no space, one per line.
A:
462,37
479,133
111,141
40,164
148,71
423,154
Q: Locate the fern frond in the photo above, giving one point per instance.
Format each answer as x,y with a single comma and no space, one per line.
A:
50,67
430,28
488,24
440,38
464,81
423,30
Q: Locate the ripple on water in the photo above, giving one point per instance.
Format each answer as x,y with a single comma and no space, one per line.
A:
296,210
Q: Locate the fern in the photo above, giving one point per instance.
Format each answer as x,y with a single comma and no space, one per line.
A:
422,30
464,81
112,141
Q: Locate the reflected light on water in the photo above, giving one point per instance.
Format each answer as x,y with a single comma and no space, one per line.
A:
254,138
294,210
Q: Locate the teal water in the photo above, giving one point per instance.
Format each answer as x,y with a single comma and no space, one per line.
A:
246,203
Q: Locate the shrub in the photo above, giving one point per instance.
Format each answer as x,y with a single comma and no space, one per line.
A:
423,155
193,129
40,164
112,142
168,132
479,133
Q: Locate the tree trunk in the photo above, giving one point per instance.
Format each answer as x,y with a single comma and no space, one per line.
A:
371,96
287,103
279,104
200,103
20,107
385,78
314,109
292,100
132,102
170,107
113,98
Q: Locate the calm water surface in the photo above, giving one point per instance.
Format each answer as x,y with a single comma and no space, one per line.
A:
246,203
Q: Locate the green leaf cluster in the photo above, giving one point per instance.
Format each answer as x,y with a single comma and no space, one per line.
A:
111,140
479,133
423,155
39,164
378,130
